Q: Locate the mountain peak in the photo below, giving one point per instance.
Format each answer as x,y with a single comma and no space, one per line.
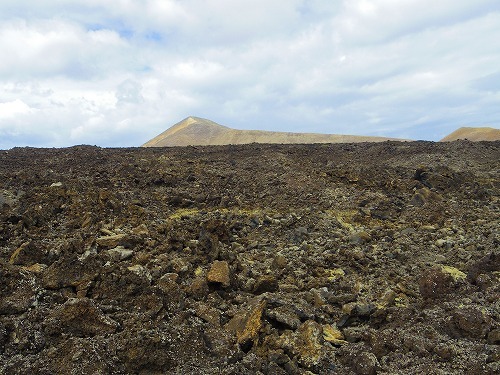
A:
191,127
199,131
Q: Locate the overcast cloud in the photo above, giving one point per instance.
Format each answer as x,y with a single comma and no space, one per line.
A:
117,73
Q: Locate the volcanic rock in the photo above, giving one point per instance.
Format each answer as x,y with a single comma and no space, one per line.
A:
251,259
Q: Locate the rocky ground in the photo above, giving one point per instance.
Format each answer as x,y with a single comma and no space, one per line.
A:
258,259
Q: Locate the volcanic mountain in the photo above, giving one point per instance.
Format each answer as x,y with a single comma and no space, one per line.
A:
196,131
473,134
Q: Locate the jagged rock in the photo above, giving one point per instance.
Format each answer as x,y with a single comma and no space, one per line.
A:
18,289
209,314
120,253
219,273
8,198
494,337
198,288
333,334
265,283
309,343
285,316
423,196
365,363
111,241
147,261
471,322
359,238
141,271
435,283
247,324
80,317
68,271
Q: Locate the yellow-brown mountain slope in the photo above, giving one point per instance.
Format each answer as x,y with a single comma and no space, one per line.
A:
473,134
197,131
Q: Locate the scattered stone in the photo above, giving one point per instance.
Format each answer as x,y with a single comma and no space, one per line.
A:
68,271
335,274
265,283
428,228
471,322
354,312
332,334
248,325
423,196
388,298
16,252
494,337
489,263
80,317
35,268
365,363
8,198
141,230
359,238
355,333
285,317
141,271
444,351
219,273
440,258
120,253
198,289
300,234
18,289
455,273
435,283
319,297
279,262
111,241
309,343
441,242
209,314
135,239
179,265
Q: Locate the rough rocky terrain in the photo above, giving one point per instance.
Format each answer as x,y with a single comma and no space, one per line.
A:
377,258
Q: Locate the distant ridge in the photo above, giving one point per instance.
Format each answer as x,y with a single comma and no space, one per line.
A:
196,131
473,134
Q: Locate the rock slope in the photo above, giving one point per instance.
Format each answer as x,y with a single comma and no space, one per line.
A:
377,258
197,131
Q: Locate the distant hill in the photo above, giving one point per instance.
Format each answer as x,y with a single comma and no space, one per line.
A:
197,131
473,134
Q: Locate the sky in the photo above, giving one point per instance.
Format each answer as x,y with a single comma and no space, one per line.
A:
117,73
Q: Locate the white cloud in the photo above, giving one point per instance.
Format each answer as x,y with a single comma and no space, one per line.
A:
17,107
118,73
48,47
129,91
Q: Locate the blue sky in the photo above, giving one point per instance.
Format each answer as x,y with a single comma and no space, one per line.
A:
117,73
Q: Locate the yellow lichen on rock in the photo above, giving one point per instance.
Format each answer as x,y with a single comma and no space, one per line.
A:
333,334
253,323
309,343
16,252
336,274
455,273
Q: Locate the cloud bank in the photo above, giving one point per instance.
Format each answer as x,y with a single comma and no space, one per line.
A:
118,73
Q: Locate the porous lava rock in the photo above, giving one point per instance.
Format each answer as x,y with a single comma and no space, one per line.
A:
374,258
